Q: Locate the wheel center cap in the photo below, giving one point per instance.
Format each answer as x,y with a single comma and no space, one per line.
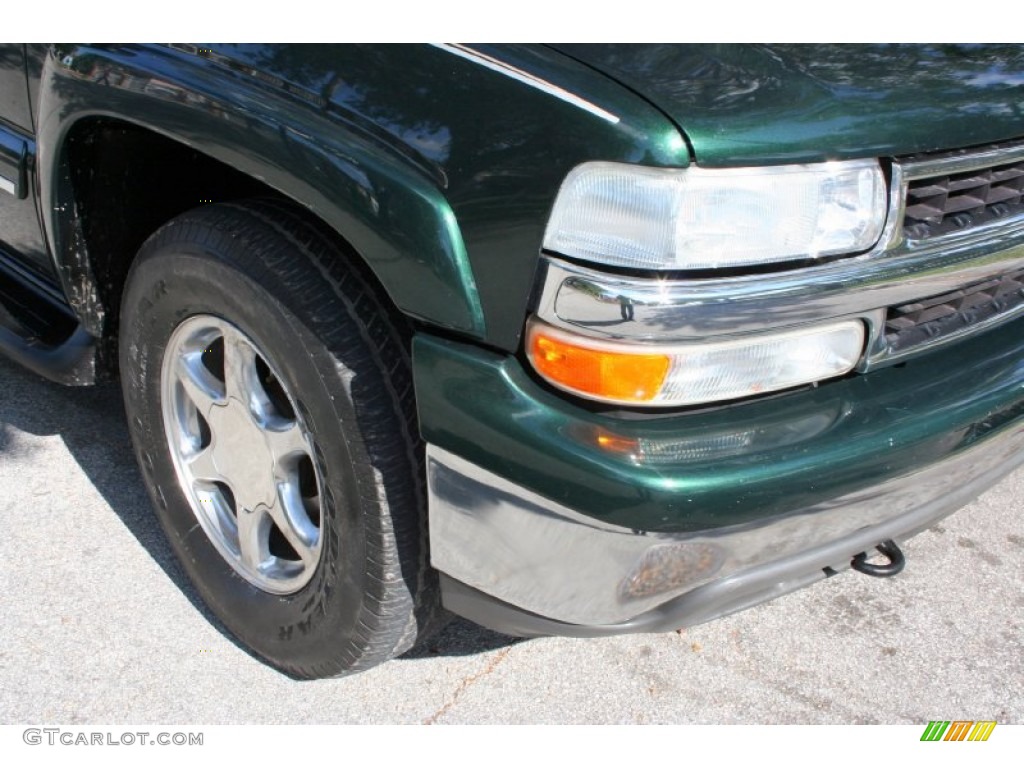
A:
241,455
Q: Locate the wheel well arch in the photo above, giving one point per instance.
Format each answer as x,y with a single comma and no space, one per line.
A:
121,181
125,181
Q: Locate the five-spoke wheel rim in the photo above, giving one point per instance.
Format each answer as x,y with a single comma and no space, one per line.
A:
242,453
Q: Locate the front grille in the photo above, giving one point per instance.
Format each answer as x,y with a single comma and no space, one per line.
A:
929,319
939,205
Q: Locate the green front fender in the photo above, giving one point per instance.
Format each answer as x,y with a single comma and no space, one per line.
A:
389,208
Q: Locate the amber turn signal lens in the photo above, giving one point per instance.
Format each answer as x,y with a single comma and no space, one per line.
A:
597,372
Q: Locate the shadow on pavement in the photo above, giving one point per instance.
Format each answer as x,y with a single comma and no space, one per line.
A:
460,638
91,423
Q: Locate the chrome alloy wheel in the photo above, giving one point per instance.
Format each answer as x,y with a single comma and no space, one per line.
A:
243,457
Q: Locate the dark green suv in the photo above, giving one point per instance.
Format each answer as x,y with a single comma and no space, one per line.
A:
564,339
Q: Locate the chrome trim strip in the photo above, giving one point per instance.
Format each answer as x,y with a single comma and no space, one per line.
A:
892,232
8,186
465,52
660,310
898,185
961,163
590,301
538,555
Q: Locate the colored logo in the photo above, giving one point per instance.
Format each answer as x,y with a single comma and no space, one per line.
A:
958,730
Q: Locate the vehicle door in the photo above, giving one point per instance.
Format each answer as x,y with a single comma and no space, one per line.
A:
21,241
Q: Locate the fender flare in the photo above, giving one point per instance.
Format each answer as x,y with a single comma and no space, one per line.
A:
391,209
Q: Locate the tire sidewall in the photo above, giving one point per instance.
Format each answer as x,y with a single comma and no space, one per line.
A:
168,283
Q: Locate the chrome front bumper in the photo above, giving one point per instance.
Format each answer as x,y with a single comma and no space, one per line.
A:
588,301
528,565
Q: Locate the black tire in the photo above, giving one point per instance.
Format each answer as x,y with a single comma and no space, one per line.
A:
342,354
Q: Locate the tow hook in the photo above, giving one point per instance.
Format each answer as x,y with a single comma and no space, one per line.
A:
891,551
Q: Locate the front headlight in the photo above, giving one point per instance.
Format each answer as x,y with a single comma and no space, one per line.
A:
698,218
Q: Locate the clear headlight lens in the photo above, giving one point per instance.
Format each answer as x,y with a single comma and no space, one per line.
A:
701,372
698,218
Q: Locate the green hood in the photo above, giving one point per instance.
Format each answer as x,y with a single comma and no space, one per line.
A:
759,104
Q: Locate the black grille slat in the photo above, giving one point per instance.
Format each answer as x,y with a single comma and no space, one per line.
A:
1007,173
914,323
935,313
942,204
926,213
999,194
969,181
929,190
964,203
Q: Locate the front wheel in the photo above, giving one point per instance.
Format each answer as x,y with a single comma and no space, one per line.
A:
269,395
